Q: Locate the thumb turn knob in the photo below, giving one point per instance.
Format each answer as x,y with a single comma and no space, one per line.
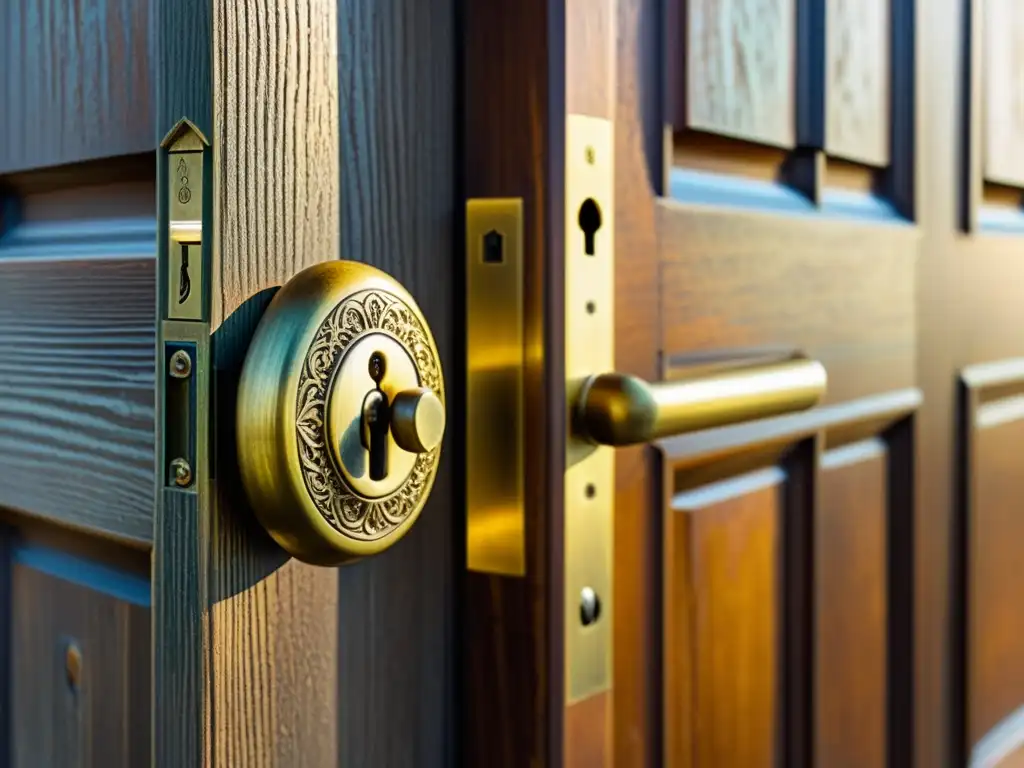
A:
417,420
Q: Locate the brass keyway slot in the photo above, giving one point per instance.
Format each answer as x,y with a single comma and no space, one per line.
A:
376,419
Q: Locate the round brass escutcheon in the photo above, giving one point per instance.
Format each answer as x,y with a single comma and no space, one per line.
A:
340,414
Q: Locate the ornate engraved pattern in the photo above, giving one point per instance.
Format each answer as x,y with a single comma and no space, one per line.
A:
370,311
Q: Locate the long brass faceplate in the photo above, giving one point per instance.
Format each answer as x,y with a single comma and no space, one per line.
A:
495,494
589,349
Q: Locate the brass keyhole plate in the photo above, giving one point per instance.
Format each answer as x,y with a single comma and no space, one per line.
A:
303,385
351,383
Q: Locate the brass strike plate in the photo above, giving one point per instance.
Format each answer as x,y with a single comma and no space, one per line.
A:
589,349
185,146
496,534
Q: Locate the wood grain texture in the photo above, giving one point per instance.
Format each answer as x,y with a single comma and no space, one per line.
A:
6,632
723,612
273,622
740,69
590,57
513,133
180,710
76,375
1003,62
639,176
104,722
398,656
713,259
77,81
857,85
851,586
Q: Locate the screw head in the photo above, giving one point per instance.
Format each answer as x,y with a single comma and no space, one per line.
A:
181,471
73,664
590,606
589,155
181,364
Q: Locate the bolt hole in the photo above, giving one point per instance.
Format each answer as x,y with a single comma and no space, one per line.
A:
590,221
590,491
590,606
591,307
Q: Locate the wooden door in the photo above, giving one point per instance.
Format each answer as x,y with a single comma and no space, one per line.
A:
140,623
841,179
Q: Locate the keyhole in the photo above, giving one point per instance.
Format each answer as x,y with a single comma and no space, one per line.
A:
589,221
376,419
184,282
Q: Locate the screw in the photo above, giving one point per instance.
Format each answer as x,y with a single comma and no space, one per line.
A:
73,663
182,472
590,606
181,364
590,490
589,154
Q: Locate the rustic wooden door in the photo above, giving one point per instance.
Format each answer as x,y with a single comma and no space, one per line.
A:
836,179
142,623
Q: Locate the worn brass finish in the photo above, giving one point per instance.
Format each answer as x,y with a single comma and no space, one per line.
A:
617,409
417,420
589,346
181,471
495,358
307,376
185,146
352,383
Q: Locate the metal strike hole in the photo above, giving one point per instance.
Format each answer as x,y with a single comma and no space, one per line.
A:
591,307
590,490
590,221
590,606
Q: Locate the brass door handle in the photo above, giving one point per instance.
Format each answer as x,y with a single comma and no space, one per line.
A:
340,413
618,409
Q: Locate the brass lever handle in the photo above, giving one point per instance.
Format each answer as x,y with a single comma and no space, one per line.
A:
618,409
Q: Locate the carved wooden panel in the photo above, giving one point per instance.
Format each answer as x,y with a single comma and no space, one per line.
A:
858,80
994,428
76,352
1003,73
740,73
80,663
803,565
722,602
851,606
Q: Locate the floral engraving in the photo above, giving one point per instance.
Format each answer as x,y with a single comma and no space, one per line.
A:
370,311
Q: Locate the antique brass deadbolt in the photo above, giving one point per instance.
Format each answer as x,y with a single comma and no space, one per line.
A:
340,413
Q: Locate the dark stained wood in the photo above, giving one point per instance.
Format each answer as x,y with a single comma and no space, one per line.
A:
639,175
76,374
852,606
6,630
78,81
722,597
398,653
778,274
104,720
180,716
513,146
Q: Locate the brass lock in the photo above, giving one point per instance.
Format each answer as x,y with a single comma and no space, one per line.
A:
340,413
